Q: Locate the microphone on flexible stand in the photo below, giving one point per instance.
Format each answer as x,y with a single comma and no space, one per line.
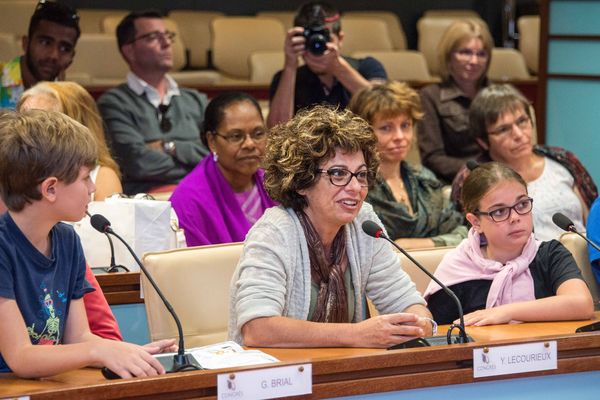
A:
181,361
565,223
113,267
374,230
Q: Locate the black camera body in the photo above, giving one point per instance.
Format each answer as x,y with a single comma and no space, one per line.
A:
317,36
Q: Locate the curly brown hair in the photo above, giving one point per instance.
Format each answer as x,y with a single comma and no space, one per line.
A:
296,150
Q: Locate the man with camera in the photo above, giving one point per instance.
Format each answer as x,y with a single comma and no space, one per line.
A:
326,76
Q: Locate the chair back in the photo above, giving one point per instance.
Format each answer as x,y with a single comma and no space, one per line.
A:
401,65
195,34
9,46
507,64
195,281
15,15
579,248
264,64
285,17
90,20
529,40
365,34
235,38
88,69
394,26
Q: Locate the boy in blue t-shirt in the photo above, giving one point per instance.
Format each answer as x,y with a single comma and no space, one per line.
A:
45,163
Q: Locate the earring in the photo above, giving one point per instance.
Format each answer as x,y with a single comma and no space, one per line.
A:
215,156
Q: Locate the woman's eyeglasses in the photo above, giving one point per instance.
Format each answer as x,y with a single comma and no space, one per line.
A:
342,177
239,137
523,122
467,54
522,207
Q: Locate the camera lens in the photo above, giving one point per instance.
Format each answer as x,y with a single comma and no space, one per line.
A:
316,44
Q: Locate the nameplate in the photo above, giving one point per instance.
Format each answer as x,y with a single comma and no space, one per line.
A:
514,359
268,383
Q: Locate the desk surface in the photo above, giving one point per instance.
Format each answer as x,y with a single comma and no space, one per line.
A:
336,372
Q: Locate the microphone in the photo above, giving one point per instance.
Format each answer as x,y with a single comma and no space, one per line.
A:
565,223
374,230
181,361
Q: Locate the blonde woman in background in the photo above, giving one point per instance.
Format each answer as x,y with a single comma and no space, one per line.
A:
74,101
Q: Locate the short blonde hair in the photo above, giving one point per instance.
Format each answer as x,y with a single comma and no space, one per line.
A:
36,145
296,149
456,34
73,100
387,100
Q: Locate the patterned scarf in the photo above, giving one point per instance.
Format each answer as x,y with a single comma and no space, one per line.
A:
327,273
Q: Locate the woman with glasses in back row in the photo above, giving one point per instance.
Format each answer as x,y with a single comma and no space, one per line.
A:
501,273
501,123
307,265
224,195
464,54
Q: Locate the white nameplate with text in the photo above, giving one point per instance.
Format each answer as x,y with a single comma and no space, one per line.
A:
514,359
268,383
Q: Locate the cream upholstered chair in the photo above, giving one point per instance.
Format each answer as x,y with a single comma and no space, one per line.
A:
285,17
529,40
90,20
264,64
430,258
9,46
579,248
365,34
235,38
454,13
401,65
195,33
394,27
195,281
15,15
507,64
98,61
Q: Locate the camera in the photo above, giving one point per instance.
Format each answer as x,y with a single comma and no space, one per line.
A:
316,33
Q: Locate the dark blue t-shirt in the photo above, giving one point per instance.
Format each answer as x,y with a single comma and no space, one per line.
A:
309,90
42,287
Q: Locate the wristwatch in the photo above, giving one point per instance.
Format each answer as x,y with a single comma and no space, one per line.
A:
169,148
434,325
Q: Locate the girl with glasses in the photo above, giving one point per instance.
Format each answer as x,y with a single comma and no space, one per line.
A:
224,195
501,273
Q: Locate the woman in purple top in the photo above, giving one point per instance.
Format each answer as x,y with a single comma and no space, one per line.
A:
224,195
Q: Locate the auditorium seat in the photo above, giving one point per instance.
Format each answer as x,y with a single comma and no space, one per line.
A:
285,17
430,31
10,46
264,64
395,30
234,39
365,34
507,65
195,281
90,20
401,65
195,34
529,40
453,13
579,248
15,15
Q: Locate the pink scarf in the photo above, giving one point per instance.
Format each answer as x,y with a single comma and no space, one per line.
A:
511,282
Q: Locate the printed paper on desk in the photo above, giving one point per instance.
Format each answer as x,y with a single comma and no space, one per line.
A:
514,359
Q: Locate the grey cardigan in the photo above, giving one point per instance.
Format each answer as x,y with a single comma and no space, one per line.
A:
273,275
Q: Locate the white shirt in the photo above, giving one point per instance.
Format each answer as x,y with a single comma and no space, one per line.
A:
139,86
554,191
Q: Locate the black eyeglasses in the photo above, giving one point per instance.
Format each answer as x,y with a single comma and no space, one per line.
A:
56,9
164,121
166,36
342,177
522,207
258,135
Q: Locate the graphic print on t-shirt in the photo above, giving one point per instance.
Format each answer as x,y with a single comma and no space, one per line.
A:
50,334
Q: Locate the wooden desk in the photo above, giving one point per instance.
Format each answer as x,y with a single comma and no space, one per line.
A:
337,372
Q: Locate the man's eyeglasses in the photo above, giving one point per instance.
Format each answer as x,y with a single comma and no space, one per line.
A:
522,207
58,9
523,122
150,37
467,54
164,121
342,177
239,137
